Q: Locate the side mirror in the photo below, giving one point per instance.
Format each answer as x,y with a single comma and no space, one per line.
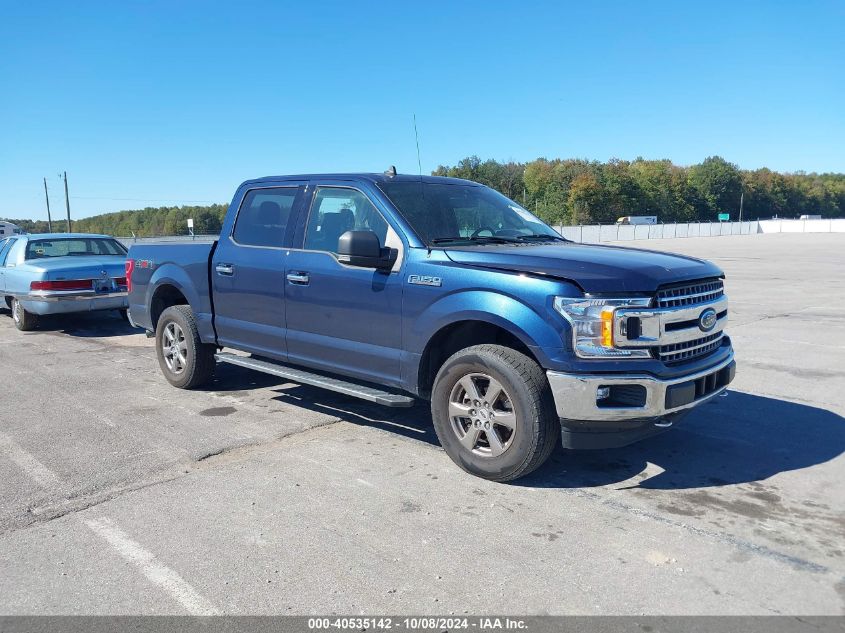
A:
363,249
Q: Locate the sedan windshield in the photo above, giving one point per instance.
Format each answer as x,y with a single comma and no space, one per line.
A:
76,246
464,214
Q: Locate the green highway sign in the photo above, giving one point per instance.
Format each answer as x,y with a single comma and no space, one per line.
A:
724,217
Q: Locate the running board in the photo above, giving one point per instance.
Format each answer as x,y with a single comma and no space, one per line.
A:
305,377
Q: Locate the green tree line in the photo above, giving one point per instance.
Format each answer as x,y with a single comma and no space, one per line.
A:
575,191
148,222
564,191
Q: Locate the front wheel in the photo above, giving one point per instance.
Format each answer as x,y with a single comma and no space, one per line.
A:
184,359
24,321
493,412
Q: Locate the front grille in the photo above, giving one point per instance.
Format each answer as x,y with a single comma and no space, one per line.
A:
687,350
690,293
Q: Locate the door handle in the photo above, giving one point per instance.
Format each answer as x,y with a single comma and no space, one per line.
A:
225,269
298,278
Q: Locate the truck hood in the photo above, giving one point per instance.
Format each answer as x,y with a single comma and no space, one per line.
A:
596,269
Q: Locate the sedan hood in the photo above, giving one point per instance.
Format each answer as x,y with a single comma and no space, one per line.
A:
596,269
79,267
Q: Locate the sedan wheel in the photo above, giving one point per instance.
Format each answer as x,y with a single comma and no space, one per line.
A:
24,321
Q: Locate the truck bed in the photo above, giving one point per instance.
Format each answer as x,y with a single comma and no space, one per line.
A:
168,267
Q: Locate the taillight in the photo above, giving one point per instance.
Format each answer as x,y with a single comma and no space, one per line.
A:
130,266
62,284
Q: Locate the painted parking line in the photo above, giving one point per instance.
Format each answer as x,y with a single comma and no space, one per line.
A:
42,475
155,571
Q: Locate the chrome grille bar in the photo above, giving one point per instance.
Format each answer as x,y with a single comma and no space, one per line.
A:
690,349
690,294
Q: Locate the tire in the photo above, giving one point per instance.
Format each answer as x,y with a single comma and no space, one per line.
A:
184,359
124,314
524,424
24,321
8,302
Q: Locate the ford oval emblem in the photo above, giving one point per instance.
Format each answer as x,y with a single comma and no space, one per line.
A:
707,320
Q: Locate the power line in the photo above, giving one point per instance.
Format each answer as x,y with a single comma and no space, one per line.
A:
141,199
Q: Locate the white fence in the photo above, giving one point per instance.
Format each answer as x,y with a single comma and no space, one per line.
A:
624,232
129,241
834,225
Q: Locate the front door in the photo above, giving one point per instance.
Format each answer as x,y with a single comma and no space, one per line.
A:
248,272
342,318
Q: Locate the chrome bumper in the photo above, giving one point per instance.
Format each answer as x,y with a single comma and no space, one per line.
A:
69,295
575,394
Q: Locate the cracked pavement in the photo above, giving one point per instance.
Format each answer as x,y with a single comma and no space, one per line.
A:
122,495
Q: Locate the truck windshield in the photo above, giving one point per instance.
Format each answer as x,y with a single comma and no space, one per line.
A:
464,214
77,246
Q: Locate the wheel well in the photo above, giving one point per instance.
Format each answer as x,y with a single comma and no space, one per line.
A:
458,336
164,297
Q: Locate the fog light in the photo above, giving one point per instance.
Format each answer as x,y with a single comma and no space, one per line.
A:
602,393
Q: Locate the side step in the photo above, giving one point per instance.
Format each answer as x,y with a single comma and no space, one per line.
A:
305,377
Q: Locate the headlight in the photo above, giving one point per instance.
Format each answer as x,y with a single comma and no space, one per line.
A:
592,325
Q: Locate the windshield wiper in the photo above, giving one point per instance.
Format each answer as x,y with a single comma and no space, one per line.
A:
481,239
542,238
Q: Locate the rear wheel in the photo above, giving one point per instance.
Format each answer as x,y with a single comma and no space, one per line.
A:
24,321
184,359
493,412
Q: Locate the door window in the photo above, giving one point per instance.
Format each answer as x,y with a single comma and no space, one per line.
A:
339,209
263,217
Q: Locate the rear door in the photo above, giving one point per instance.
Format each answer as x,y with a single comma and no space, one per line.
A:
248,271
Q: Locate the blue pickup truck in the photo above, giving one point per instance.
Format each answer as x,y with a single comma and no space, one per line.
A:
393,288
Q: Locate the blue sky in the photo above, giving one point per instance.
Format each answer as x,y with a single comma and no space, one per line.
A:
152,103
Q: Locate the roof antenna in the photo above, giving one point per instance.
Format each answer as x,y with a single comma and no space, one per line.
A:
390,172
417,135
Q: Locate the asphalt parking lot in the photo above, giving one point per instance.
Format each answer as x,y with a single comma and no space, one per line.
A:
122,495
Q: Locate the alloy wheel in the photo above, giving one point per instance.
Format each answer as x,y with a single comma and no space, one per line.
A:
482,415
174,348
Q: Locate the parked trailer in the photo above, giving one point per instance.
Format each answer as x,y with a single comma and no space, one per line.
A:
637,219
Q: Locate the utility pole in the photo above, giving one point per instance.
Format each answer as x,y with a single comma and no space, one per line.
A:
49,219
67,205
741,196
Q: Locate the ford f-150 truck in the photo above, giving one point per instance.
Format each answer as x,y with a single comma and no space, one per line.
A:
393,288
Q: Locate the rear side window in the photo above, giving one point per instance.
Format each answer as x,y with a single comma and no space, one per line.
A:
263,217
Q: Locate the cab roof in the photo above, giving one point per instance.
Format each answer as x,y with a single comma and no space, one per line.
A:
372,178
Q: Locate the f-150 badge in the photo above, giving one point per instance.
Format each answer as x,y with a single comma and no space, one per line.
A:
424,280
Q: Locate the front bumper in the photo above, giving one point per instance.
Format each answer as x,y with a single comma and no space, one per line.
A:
653,404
